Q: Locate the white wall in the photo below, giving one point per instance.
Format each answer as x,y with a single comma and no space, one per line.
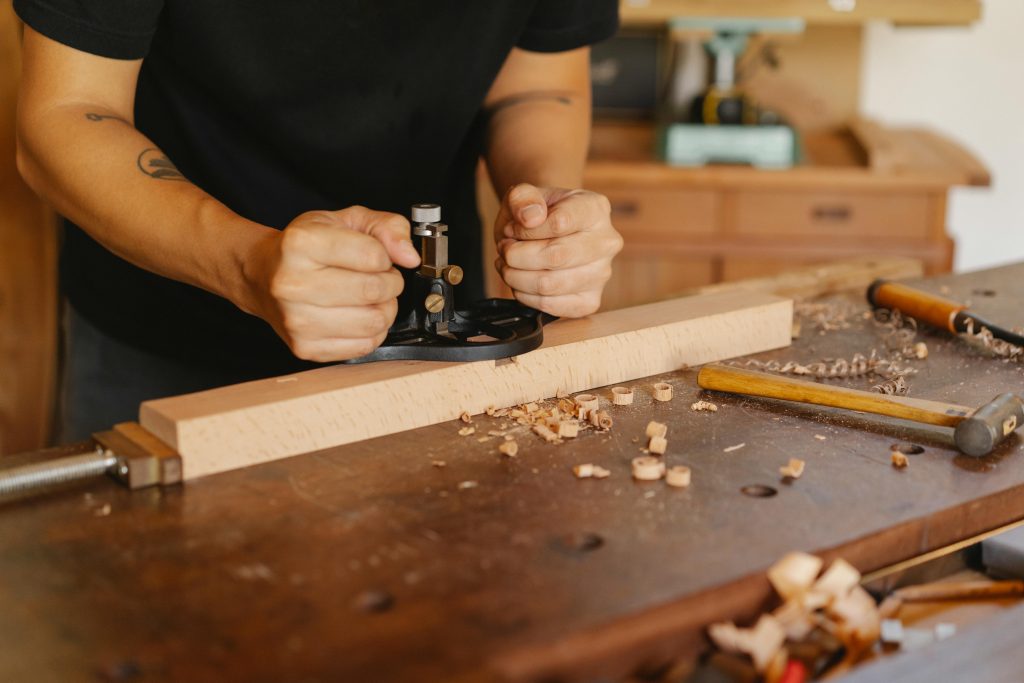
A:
969,84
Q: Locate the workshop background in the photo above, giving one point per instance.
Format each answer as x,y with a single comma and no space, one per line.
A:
903,139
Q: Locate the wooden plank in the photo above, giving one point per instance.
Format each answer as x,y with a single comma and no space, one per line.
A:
259,421
921,12
826,278
28,278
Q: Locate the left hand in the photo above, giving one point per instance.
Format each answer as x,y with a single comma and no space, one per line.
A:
555,248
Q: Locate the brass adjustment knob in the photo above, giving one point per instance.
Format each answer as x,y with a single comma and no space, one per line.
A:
434,303
453,274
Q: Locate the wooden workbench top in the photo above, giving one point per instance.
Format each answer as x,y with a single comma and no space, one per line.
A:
368,563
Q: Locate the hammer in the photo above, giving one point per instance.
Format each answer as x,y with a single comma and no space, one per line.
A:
976,432
943,313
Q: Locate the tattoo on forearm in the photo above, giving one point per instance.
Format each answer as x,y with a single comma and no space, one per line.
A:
560,97
153,163
93,116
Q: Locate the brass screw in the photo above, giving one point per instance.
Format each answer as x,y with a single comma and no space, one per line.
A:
453,274
434,303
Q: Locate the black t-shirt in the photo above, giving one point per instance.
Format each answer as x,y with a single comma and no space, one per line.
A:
277,108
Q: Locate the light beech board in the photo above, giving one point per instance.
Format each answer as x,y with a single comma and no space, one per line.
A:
246,424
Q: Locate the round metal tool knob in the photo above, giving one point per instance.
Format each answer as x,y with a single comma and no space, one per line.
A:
434,303
426,213
453,274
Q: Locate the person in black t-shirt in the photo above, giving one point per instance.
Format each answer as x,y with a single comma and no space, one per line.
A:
213,160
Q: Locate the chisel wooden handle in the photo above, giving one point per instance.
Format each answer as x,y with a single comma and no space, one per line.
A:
718,377
929,308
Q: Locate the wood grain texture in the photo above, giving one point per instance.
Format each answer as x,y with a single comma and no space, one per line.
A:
259,421
718,377
263,573
28,278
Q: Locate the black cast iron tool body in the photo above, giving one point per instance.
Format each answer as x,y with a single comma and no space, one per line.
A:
435,329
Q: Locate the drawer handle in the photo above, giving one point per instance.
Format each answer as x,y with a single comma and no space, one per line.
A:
626,209
832,213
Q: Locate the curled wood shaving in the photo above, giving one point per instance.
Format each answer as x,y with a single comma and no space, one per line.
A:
893,387
466,431
706,406
465,417
899,460
997,347
509,448
837,368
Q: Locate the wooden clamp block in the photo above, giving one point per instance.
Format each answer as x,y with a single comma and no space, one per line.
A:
255,422
147,461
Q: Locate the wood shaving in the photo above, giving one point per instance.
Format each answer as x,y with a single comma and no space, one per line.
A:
793,469
568,430
678,476
983,337
438,463
509,448
584,471
465,417
622,396
545,433
656,429
602,420
730,449
466,431
600,472
705,406
483,439
920,350
899,460
662,391
470,484
658,445
495,432
893,387
648,468
819,437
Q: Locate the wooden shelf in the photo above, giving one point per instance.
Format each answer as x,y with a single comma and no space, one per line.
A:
917,12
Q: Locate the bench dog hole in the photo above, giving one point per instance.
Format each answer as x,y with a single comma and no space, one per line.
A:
908,448
374,601
582,541
758,491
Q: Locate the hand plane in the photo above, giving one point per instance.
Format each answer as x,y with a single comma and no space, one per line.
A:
436,329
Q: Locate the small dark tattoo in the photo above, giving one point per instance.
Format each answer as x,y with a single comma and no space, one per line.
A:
153,163
93,116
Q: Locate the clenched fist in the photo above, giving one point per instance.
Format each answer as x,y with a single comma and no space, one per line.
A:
326,282
555,248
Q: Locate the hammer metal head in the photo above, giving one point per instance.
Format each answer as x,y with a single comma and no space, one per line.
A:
979,433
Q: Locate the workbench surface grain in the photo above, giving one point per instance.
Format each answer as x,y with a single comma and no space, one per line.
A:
368,563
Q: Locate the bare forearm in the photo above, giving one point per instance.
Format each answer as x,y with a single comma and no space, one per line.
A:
539,138
99,171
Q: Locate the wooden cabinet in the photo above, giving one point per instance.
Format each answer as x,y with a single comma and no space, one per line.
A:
863,190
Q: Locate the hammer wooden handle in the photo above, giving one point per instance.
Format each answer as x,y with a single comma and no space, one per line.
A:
932,309
720,377
960,590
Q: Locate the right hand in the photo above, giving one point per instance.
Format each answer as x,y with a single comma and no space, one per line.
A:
326,282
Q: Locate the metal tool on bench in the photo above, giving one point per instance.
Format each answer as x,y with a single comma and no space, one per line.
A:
943,313
127,452
436,330
976,431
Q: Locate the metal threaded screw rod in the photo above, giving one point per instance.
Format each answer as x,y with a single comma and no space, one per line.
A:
38,475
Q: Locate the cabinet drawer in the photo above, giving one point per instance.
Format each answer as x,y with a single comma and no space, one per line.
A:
833,213
641,279
657,212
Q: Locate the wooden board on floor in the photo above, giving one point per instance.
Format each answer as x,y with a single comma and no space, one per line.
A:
255,422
